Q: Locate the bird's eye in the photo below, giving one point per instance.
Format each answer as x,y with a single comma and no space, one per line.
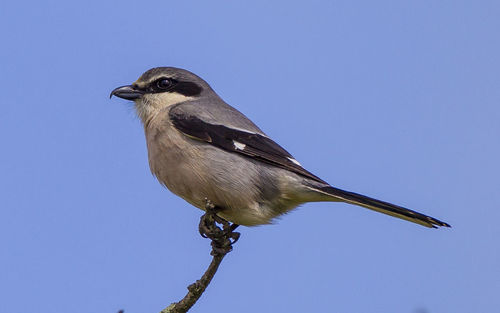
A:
163,83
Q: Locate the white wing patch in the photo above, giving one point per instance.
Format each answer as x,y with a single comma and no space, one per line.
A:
294,161
239,145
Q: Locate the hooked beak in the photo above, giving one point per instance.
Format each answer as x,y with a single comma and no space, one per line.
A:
128,92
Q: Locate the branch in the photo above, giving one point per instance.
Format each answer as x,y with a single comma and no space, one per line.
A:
222,240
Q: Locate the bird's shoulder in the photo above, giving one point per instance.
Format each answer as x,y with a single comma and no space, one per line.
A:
216,112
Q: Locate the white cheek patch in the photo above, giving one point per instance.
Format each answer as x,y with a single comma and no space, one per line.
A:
295,161
239,145
151,104
165,99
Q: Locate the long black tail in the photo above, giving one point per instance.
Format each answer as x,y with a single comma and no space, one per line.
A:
382,207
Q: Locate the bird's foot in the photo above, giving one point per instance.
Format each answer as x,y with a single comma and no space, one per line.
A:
222,238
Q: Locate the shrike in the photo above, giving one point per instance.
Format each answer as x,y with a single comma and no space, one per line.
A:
201,148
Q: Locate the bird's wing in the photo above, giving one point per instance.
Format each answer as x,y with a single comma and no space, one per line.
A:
250,144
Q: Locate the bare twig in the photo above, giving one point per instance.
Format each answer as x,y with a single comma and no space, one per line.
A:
222,240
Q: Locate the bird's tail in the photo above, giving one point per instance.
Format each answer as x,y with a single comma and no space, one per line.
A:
380,206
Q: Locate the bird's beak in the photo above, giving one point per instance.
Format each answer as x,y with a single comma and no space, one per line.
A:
128,92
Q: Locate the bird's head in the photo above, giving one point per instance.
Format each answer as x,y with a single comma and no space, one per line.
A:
162,87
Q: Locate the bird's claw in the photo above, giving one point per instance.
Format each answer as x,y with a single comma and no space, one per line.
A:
222,239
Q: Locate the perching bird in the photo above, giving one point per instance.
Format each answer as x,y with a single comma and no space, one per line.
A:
202,148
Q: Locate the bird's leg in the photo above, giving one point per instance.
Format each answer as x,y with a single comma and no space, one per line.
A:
222,239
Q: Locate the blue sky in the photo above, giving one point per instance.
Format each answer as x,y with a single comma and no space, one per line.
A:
398,100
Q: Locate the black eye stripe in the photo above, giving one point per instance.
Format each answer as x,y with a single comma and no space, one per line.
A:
165,84
188,89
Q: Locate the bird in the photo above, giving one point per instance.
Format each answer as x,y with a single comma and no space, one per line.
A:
200,147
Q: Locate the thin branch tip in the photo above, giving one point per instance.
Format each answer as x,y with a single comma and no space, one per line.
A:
222,243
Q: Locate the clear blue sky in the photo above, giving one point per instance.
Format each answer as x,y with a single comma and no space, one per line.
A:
398,100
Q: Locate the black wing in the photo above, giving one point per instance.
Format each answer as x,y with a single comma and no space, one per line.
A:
251,145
